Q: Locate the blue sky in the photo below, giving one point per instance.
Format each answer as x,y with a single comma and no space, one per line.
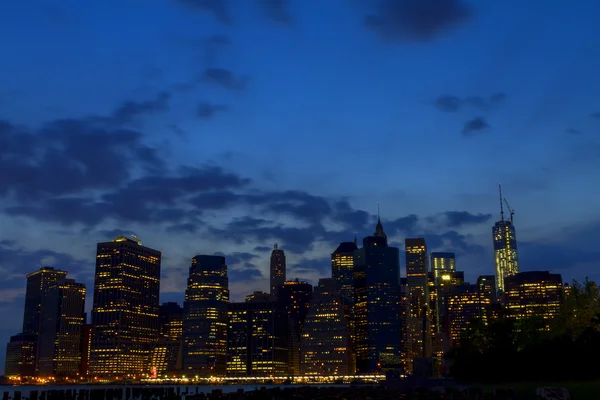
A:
225,126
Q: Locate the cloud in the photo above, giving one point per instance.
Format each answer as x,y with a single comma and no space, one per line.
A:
401,21
220,9
224,78
456,219
277,10
595,115
130,110
209,47
572,131
207,110
474,126
452,103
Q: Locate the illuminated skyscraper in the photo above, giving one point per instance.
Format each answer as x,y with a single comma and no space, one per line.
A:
205,318
257,337
63,320
377,331
441,263
417,278
277,269
439,290
533,294
505,247
294,297
342,269
166,355
125,308
325,345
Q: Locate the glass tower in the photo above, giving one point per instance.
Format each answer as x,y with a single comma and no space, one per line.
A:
277,269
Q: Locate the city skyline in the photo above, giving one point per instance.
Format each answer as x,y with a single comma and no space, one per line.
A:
224,132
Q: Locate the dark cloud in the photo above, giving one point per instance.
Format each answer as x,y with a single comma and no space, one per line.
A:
130,110
452,103
595,115
209,48
244,275
207,110
262,249
220,9
474,126
277,10
415,20
307,266
237,258
224,78
456,219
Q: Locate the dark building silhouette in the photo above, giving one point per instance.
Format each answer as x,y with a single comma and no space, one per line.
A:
166,355
277,269
21,356
63,319
257,337
294,297
125,308
325,343
86,346
377,324
205,318
342,269
417,278
36,299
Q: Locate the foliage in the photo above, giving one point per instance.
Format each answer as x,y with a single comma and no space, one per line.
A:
506,350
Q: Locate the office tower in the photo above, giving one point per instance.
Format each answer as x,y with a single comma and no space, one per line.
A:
439,290
419,337
36,298
325,344
166,355
463,307
442,263
533,294
86,346
63,319
404,313
21,356
342,269
277,269
505,247
125,308
205,318
257,337
377,305
294,297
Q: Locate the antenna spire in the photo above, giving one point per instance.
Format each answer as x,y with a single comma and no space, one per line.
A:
501,205
378,219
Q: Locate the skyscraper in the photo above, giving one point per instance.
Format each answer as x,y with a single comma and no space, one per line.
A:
125,308
505,247
63,320
277,270
418,342
342,269
37,297
166,355
441,263
377,326
325,344
205,317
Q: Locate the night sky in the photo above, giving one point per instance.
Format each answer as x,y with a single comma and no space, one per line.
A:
215,126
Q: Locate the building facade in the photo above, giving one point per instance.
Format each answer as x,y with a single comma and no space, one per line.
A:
442,263
325,343
342,269
257,337
377,325
205,318
277,269
166,355
125,308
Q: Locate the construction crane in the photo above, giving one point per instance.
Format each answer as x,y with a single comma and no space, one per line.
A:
512,211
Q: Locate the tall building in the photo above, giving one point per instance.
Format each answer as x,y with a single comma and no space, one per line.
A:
63,320
442,263
505,247
125,308
533,294
342,269
294,297
166,355
325,343
417,278
277,269
257,337
377,326
205,318
439,290
21,356
37,298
